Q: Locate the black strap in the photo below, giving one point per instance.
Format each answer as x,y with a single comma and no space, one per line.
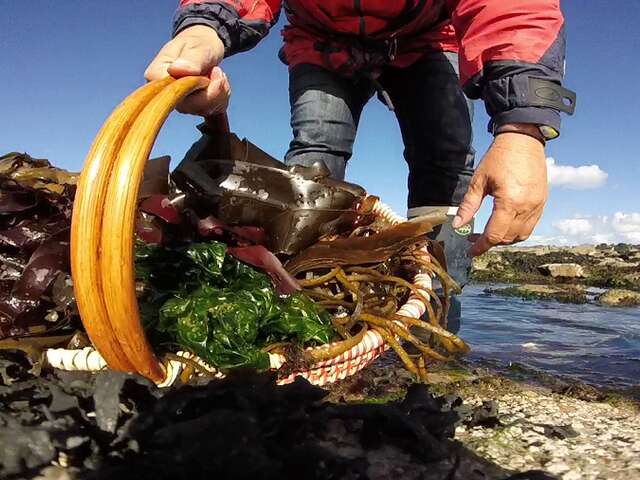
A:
545,93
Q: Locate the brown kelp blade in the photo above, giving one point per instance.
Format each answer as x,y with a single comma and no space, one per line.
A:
361,250
118,223
242,185
87,223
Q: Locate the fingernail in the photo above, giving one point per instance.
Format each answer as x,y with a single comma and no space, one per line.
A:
216,73
457,222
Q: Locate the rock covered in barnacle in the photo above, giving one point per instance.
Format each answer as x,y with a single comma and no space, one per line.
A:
538,422
561,293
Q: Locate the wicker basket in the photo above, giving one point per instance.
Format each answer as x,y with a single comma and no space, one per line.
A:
102,241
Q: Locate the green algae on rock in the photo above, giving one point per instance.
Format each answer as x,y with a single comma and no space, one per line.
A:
562,293
604,266
617,297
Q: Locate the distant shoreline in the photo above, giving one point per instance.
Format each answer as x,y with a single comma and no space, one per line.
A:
564,273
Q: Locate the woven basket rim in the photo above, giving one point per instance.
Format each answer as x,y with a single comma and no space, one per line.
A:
321,373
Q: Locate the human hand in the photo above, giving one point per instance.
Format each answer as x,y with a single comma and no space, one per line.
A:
196,50
514,172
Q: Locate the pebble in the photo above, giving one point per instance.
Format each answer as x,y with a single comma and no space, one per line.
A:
557,468
606,448
572,475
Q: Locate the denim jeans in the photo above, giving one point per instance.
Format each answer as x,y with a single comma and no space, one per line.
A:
433,113
435,119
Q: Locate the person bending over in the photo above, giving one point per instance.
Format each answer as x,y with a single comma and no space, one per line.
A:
420,57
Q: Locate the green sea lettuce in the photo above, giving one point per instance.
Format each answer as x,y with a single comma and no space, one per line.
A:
220,308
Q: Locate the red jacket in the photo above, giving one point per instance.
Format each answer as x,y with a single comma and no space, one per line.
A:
511,52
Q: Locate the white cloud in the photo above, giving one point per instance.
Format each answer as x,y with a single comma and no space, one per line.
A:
574,226
626,222
602,238
580,230
633,237
578,178
546,240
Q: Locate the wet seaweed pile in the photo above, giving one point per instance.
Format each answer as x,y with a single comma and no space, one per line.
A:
223,310
114,425
56,424
217,289
35,213
186,265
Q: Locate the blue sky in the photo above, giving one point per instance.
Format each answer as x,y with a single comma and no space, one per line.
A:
66,64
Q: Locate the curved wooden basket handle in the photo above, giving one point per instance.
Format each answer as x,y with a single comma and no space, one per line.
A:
103,222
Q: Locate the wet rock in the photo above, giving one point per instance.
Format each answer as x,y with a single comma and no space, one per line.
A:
617,263
61,401
605,266
563,435
246,427
632,279
22,447
486,415
559,431
618,297
563,270
47,419
118,426
107,399
264,431
55,473
561,293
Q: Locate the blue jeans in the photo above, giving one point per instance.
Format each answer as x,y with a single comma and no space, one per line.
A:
433,113
435,119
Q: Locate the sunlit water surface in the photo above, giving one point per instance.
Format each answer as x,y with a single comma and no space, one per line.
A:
594,344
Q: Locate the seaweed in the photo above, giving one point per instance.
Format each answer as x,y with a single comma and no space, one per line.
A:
220,308
35,212
191,292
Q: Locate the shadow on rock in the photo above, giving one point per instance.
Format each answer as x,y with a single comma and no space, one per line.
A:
114,425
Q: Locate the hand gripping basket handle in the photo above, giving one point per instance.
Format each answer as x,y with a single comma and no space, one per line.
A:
102,227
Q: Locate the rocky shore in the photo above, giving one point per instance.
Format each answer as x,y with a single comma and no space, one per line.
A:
65,426
533,422
376,424
497,421
605,274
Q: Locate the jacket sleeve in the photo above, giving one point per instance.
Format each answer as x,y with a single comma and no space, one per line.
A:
512,56
241,24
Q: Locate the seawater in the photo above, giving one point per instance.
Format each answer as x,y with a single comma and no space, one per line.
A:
590,343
